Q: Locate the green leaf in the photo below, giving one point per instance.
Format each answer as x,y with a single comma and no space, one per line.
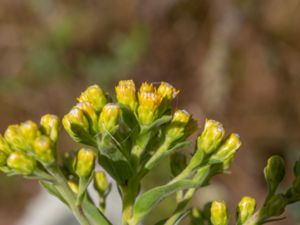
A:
157,123
147,201
94,214
52,190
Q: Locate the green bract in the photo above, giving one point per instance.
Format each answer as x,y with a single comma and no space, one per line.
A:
128,138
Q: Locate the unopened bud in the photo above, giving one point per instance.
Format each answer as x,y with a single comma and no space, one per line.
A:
211,137
101,183
176,129
21,163
15,139
108,120
149,101
125,93
90,114
44,150
178,163
274,172
245,209
29,130
95,96
219,213
85,162
73,120
50,126
73,186
167,91
228,148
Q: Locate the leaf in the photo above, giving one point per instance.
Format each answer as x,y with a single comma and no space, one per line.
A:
147,201
157,123
94,214
52,190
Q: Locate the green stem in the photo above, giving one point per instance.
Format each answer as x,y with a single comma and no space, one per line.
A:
128,199
68,195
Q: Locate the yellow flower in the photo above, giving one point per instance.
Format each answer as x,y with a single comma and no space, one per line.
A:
108,120
44,150
21,163
85,162
125,93
219,213
95,96
167,91
50,126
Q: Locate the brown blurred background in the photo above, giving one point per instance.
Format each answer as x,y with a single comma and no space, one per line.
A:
237,61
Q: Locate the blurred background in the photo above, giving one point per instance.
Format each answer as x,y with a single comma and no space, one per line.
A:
236,61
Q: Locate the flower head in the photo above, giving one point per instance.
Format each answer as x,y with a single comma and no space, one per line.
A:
125,93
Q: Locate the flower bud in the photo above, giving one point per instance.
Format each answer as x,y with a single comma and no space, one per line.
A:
50,126
176,129
29,130
95,96
108,120
149,101
211,137
90,114
3,157
44,150
15,139
101,183
274,172
85,162
167,91
219,213
125,93
73,120
245,209
178,163
21,163
228,148
4,147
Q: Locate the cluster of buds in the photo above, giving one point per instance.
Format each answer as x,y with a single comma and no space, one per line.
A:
26,146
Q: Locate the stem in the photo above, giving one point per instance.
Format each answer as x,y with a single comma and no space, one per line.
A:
128,202
68,195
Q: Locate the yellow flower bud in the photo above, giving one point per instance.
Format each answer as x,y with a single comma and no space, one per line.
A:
148,106
73,186
50,126
85,162
228,149
90,114
76,118
146,87
101,183
245,209
177,128
44,150
4,147
167,91
15,139
211,137
21,163
125,93
219,213
108,120
95,96
29,130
